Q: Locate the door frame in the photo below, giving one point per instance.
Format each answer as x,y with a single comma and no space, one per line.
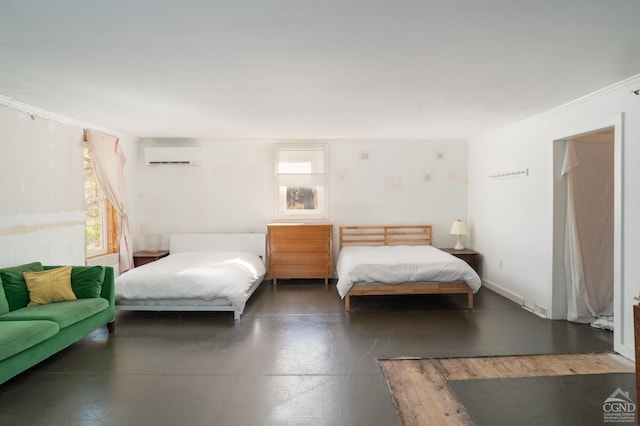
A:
559,279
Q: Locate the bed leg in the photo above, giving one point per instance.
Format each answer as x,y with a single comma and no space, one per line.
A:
236,315
274,281
347,304
470,300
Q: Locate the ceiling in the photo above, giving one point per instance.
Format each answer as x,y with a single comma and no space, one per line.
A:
305,69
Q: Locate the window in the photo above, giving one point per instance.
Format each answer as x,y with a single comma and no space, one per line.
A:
101,218
301,181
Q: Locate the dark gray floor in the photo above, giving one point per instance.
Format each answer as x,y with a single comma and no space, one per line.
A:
577,400
295,357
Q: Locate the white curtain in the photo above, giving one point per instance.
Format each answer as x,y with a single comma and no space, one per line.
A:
108,163
588,169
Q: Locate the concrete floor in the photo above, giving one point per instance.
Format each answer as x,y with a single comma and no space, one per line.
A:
295,357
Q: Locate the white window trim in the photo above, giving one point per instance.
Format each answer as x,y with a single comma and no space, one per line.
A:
104,229
281,210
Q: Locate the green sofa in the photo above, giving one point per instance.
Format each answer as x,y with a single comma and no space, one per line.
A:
28,335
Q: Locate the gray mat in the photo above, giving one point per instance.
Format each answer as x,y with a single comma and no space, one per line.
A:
555,400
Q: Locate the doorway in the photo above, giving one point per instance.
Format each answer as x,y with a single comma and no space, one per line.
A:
584,228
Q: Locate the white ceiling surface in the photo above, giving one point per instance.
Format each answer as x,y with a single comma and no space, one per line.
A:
352,69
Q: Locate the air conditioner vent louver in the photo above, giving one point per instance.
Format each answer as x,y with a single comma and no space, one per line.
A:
187,156
151,163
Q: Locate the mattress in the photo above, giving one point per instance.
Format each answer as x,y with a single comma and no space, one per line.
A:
193,278
401,264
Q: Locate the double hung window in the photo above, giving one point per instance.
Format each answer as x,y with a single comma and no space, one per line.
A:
101,218
301,181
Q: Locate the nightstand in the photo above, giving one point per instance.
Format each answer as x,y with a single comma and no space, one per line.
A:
472,257
143,257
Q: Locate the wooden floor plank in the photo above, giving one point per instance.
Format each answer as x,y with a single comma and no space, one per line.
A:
420,392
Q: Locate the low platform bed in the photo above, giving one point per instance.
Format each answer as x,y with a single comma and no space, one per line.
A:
379,289
203,272
399,260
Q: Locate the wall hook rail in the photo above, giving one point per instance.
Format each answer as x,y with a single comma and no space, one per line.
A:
514,173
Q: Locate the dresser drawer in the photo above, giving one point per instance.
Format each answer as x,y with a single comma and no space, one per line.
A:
290,245
300,258
298,271
301,232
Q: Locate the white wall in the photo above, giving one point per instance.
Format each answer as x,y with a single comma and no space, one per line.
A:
512,219
399,182
42,213
42,210
371,182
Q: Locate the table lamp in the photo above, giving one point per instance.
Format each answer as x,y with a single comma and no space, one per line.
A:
458,229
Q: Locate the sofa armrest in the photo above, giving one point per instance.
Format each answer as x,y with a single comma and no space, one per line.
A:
108,287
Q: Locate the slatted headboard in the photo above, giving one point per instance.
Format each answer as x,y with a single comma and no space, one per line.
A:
385,235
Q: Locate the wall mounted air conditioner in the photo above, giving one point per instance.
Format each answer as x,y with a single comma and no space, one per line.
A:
188,156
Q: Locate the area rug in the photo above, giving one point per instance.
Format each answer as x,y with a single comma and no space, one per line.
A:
423,396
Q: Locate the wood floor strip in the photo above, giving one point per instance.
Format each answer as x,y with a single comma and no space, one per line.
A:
420,392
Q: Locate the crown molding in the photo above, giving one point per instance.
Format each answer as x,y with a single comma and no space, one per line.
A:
630,85
59,118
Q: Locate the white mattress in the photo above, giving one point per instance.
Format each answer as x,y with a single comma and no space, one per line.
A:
201,277
401,264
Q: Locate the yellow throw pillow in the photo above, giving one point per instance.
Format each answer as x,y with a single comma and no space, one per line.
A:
53,285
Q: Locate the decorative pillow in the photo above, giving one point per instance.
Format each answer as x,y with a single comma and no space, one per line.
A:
4,304
86,281
53,285
14,286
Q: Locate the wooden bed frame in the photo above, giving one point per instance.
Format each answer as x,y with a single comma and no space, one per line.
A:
199,242
396,235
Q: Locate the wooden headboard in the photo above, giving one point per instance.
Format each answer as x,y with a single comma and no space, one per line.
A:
385,235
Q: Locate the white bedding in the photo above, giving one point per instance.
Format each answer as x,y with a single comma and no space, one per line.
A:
201,276
401,264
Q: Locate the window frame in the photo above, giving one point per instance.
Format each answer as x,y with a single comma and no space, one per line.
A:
321,185
109,225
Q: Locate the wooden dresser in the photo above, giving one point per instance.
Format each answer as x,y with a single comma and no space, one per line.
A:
300,250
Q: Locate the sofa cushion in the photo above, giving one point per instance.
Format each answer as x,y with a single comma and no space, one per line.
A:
4,305
86,281
17,336
14,285
49,286
62,313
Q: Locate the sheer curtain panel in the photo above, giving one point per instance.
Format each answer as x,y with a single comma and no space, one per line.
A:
108,163
589,230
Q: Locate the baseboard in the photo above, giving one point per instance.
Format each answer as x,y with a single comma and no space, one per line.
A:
625,350
503,292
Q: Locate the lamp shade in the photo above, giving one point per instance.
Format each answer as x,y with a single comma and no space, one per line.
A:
458,228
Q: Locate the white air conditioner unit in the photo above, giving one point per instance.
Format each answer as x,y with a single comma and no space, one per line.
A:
189,156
